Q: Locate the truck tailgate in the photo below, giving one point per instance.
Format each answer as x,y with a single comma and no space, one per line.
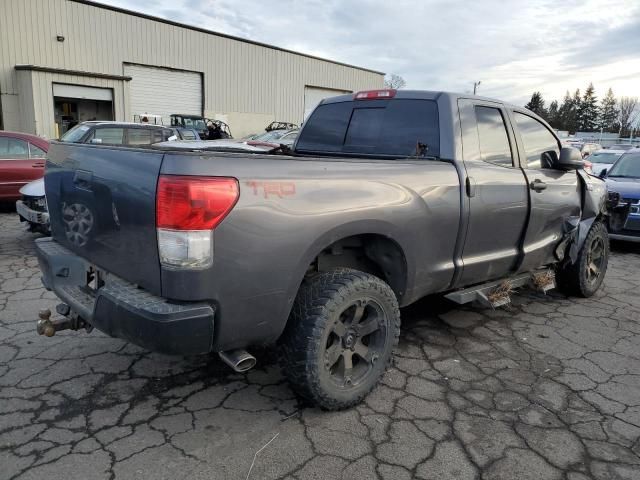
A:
102,207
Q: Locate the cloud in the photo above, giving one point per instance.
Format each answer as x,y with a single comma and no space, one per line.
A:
514,48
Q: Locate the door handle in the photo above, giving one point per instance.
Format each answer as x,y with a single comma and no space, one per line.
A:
538,185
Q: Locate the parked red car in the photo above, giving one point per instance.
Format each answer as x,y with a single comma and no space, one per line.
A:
21,161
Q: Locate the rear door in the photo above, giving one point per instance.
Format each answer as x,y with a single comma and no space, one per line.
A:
102,206
16,166
496,190
555,195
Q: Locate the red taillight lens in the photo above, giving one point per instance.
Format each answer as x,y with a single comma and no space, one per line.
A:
587,165
375,94
194,203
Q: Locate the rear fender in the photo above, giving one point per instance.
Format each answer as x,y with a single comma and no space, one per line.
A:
361,227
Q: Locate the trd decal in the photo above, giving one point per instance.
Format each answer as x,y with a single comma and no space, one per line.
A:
279,189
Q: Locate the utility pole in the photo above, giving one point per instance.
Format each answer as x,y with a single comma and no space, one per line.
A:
475,86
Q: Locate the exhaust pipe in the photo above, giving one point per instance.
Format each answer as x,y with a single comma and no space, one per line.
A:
239,360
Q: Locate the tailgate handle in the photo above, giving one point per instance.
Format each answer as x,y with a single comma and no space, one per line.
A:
83,179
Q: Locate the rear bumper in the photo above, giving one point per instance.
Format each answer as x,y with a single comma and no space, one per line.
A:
122,310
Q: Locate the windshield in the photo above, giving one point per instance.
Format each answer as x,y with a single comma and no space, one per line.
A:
604,157
75,134
627,167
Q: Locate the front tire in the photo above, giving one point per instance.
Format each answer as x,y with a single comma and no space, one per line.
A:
584,277
340,336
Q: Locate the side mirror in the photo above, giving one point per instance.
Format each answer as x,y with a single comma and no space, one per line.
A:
570,159
603,173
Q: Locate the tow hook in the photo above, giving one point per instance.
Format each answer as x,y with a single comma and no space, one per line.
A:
70,321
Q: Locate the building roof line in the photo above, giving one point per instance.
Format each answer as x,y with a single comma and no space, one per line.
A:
217,34
77,73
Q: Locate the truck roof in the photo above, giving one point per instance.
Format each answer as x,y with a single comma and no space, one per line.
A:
423,95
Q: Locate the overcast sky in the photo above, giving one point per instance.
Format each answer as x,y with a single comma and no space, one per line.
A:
546,45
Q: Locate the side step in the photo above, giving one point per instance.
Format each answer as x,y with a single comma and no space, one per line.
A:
498,292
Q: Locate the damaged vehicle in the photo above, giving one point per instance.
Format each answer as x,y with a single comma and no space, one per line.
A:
386,196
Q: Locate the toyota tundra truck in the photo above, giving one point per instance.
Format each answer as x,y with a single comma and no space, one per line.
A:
386,196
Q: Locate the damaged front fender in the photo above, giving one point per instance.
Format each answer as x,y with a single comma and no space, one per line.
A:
595,206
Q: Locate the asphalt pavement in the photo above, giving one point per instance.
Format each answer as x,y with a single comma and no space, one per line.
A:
546,389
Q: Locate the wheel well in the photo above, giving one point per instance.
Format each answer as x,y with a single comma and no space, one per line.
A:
370,253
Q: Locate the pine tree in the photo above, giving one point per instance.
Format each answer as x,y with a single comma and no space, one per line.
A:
588,111
553,115
567,112
571,120
536,105
608,113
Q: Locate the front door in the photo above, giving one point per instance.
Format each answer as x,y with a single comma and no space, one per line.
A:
496,192
555,195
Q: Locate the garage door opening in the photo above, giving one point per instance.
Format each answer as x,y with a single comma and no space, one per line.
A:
73,104
314,95
160,91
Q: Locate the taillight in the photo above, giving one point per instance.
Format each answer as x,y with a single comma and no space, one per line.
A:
188,208
375,94
588,166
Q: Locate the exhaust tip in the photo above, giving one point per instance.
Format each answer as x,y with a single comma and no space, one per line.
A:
239,360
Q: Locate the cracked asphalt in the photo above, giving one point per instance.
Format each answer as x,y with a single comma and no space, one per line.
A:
548,389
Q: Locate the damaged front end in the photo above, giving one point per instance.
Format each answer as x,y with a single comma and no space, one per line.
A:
597,205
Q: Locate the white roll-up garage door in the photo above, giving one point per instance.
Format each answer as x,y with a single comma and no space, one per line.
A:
314,95
159,91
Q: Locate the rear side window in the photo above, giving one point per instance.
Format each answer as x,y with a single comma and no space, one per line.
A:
13,149
36,152
389,128
492,134
188,135
109,136
139,136
540,146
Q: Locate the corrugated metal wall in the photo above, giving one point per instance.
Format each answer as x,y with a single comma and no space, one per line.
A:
238,76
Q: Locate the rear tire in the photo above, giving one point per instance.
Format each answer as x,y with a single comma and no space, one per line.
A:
340,336
584,277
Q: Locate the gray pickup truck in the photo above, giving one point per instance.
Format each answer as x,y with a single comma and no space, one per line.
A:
386,196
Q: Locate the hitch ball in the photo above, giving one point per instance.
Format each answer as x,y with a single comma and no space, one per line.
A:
45,327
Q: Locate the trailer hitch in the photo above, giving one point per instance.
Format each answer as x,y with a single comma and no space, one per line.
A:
69,321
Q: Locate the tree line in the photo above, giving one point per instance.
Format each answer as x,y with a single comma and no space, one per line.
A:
583,113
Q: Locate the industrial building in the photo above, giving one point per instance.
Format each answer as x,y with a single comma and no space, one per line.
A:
68,61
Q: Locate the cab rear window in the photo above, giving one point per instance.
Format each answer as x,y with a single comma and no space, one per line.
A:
384,128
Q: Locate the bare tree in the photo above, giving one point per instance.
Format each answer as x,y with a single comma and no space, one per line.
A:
628,113
394,81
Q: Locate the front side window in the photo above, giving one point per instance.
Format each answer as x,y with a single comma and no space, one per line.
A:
13,149
493,138
540,146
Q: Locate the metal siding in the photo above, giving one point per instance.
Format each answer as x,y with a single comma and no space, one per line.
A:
163,92
238,76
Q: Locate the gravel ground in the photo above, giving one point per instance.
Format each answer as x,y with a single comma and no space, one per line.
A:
547,389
